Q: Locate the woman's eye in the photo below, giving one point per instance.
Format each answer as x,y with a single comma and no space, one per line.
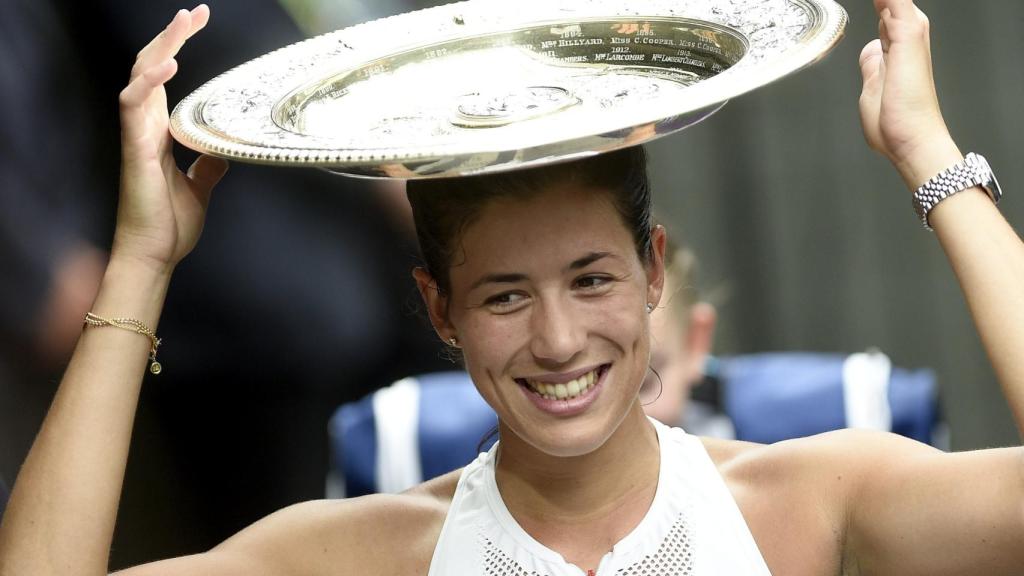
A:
592,282
506,301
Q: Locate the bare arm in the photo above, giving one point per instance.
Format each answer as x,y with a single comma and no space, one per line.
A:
915,510
377,534
60,519
902,120
988,259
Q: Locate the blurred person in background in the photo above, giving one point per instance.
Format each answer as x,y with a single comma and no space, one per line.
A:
682,336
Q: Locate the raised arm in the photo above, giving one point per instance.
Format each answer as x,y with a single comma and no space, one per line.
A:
913,510
60,519
902,120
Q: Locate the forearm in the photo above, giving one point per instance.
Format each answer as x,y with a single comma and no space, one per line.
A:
61,516
987,257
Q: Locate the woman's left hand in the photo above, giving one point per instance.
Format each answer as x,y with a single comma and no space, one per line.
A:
899,107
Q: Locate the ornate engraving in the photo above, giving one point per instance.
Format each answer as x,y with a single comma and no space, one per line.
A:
533,79
490,109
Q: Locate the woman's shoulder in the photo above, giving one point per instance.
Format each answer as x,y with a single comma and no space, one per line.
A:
794,517
796,495
843,450
379,533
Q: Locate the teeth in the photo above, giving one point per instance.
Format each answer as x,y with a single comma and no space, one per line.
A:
573,388
567,390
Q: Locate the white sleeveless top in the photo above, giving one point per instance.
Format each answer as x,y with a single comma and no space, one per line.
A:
693,528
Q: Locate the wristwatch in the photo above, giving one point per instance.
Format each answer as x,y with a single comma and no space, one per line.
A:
973,171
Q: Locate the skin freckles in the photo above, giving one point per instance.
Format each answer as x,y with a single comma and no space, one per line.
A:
533,297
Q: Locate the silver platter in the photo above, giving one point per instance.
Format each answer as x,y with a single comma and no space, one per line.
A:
488,85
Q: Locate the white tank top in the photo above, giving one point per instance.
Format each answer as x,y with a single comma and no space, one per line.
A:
693,528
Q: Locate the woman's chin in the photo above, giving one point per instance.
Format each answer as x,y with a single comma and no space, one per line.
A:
569,438
570,443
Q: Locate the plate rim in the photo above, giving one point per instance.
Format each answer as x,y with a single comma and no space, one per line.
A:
188,127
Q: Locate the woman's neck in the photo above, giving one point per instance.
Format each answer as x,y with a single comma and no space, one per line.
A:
608,490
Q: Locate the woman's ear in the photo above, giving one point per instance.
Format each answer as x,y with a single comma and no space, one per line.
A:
656,268
436,303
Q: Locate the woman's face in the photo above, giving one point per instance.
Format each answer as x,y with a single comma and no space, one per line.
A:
547,300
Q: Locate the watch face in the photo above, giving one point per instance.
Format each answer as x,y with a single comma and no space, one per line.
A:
988,181
992,187
986,176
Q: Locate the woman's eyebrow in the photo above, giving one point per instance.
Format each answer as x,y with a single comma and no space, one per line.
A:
587,260
509,278
513,277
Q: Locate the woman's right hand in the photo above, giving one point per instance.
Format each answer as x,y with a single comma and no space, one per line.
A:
161,209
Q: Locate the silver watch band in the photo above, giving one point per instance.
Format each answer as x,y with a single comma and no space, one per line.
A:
973,171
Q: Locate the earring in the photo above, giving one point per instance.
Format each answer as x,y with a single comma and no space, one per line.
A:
650,307
454,342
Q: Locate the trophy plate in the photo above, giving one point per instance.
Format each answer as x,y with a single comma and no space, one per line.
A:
487,85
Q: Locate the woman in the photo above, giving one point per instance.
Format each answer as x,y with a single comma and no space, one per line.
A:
546,288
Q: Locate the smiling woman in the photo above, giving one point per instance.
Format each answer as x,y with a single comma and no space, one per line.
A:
545,279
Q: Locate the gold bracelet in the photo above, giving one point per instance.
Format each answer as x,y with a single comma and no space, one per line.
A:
135,326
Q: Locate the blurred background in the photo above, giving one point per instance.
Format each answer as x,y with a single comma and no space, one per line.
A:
299,296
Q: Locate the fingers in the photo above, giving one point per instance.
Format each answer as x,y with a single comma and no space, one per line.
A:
900,9
200,17
872,67
164,45
871,59
155,66
904,32
883,31
910,25
898,104
135,95
167,44
205,173
142,86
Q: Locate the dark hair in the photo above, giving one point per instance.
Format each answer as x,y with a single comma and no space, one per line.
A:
443,208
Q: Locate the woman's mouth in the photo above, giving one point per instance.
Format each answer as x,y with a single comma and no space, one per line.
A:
567,396
566,390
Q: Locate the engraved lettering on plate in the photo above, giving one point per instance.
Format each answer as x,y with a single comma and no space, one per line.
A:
531,74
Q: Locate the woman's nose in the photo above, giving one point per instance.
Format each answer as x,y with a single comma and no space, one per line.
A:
557,334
